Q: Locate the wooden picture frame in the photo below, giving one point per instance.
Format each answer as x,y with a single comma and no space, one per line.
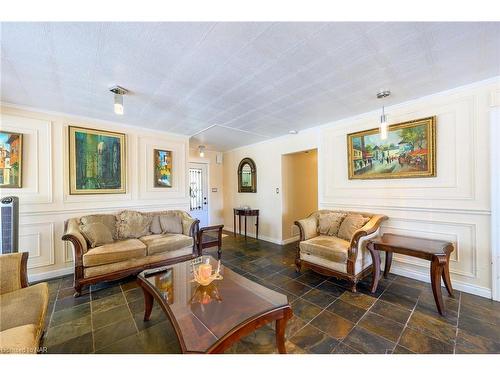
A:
100,167
408,152
247,176
162,168
11,160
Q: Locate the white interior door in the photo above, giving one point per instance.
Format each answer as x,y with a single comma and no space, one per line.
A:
198,192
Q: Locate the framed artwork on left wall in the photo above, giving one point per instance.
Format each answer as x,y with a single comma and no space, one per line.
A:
97,161
11,159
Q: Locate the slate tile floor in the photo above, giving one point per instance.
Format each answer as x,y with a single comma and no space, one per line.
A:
399,318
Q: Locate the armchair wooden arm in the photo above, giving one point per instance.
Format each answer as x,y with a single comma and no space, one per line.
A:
13,272
368,229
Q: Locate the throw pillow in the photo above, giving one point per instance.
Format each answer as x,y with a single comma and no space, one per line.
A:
106,219
132,224
96,234
329,223
155,225
171,223
351,224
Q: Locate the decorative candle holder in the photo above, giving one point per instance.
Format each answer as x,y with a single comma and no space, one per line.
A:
203,274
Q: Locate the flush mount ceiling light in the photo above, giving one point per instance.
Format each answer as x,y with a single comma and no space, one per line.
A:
383,118
293,132
201,150
119,92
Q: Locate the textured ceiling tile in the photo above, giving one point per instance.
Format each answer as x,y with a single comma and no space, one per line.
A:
267,77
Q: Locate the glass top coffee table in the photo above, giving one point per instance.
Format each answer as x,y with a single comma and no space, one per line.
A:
209,319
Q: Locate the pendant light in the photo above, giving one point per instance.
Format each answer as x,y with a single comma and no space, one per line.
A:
383,118
201,150
118,100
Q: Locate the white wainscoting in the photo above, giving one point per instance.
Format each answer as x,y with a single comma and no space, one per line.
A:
452,206
45,202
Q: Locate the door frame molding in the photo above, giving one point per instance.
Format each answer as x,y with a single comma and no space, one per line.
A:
207,162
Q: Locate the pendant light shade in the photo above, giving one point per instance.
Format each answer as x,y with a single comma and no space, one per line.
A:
118,98
384,124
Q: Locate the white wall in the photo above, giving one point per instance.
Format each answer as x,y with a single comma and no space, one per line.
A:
267,157
454,206
45,200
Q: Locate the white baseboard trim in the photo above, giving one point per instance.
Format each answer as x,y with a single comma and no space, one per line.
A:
463,287
290,240
50,274
261,237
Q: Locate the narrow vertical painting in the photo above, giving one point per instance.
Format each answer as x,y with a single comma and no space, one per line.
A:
162,168
408,151
11,154
96,161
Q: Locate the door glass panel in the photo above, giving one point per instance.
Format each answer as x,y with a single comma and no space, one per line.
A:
195,189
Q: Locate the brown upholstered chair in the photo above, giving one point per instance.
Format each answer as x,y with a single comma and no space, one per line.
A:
22,307
343,256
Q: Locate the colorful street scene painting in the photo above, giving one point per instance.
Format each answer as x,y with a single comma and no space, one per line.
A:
408,151
163,168
97,161
10,159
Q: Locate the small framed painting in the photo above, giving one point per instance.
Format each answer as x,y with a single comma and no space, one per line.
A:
97,163
11,159
408,151
162,168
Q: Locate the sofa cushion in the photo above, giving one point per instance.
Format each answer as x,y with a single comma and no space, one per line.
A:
171,223
25,306
96,234
159,243
329,223
155,227
114,252
351,224
108,220
144,262
330,248
132,224
19,340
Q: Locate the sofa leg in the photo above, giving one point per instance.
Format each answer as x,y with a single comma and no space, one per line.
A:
78,290
353,287
298,265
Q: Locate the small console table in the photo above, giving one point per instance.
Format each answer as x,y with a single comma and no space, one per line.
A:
245,212
437,252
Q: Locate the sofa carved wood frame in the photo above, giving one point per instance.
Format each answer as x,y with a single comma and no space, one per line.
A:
368,229
81,281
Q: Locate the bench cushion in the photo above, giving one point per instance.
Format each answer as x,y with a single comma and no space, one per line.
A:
330,248
159,243
114,252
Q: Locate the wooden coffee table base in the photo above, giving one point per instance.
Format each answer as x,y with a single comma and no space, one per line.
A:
437,252
281,315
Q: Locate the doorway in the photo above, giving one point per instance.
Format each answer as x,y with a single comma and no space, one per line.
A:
299,190
198,192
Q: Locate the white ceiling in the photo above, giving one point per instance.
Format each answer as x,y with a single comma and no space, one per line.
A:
262,78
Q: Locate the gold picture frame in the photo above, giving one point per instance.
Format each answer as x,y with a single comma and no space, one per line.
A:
414,156
100,167
11,160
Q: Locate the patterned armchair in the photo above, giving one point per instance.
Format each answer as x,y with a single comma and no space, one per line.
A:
332,243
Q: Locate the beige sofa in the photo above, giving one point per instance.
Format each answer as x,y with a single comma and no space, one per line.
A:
333,243
22,307
133,242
